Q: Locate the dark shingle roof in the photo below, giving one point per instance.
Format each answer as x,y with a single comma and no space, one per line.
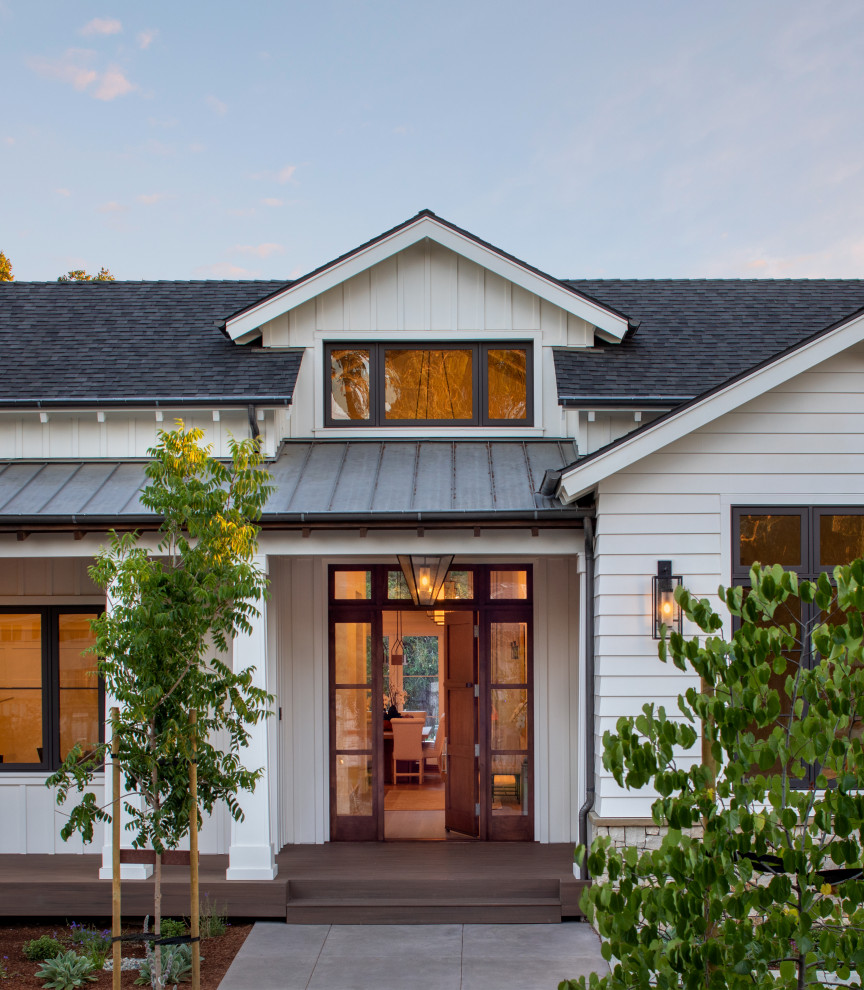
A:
696,334
125,341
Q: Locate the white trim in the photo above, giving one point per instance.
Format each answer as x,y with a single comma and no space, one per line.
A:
582,478
614,327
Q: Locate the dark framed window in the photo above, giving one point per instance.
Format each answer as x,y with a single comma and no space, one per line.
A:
50,694
809,540
406,384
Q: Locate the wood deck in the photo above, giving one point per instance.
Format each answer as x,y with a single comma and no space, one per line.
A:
335,883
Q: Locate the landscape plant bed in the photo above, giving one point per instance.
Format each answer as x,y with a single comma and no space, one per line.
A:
218,952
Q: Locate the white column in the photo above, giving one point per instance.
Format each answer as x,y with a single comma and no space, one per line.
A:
251,855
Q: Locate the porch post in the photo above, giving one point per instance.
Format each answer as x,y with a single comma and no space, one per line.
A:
251,855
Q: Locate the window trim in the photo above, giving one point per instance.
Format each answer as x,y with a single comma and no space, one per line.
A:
50,630
479,391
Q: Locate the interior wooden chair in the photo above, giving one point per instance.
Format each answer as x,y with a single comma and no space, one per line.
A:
408,747
434,750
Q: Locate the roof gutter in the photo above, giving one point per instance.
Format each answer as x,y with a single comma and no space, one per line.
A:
640,401
148,401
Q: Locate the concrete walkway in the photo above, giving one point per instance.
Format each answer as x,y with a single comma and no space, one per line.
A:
435,957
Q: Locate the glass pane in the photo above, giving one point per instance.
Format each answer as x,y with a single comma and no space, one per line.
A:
771,540
509,718
352,584
841,539
420,675
509,645
510,784
508,584
349,384
429,384
21,688
397,586
353,718
508,384
353,785
458,584
353,642
79,687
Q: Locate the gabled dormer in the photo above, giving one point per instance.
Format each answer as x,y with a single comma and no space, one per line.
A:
426,330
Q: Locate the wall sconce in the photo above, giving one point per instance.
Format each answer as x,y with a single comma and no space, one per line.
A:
425,577
667,612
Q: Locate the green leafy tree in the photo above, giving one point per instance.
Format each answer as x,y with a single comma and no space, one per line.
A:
79,275
161,646
758,879
5,269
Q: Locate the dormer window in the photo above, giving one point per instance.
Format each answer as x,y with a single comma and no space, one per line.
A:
441,385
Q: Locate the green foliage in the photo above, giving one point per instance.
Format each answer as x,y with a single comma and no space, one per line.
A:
212,919
172,927
67,971
79,275
40,948
91,942
176,965
706,910
5,269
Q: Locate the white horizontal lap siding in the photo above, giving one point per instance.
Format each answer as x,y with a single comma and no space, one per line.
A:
803,440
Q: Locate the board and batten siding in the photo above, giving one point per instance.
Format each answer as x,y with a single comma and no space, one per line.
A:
801,443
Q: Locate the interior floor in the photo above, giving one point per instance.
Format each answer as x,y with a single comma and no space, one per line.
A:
414,811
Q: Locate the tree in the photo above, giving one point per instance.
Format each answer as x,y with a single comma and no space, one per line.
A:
79,275
758,880
5,269
162,641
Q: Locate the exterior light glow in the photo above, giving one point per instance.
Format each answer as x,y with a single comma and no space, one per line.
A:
425,577
666,611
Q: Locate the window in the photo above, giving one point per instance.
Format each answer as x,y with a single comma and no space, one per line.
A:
405,385
50,694
809,541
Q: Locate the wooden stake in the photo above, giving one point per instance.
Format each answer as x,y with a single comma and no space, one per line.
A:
116,947
194,928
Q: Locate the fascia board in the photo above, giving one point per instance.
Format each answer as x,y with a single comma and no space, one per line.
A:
582,479
246,323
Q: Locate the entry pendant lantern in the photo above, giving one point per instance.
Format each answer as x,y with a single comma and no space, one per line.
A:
425,577
667,612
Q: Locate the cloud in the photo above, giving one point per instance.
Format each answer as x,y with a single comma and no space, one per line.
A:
196,147
842,259
216,105
70,68
224,269
63,192
112,207
273,202
148,199
9,140
113,84
259,250
102,25
146,38
248,211
286,174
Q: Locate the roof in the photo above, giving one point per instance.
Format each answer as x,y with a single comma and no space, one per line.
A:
134,342
695,334
315,481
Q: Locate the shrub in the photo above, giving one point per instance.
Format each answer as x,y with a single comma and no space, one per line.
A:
213,919
91,942
176,965
44,947
67,971
172,927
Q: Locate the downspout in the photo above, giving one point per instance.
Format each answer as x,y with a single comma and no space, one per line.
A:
589,692
252,412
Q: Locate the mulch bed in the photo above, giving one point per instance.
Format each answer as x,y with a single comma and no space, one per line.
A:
218,954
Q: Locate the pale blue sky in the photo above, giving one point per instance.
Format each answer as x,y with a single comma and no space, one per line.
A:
638,138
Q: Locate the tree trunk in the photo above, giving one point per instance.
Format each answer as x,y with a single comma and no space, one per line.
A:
156,974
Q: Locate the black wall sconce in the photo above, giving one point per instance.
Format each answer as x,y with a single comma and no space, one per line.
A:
667,612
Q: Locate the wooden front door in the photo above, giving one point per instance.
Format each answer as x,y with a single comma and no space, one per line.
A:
461,686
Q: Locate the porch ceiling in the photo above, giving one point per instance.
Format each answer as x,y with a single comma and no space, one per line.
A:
322,481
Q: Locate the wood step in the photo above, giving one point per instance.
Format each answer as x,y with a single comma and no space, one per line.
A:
417,911
453,890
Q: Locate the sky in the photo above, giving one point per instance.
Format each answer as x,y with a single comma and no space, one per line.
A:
629,138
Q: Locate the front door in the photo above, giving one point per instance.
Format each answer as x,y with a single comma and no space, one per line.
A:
461,686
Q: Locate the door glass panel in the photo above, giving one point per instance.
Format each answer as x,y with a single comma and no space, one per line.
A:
352,585
771,539
353,784
353,718
21,688
508,584
421,384
841,539
79,684
353,642
510,718
509,645
510,784
507,384
349,384
397,586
